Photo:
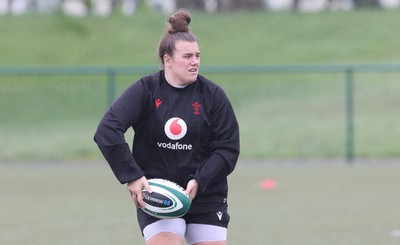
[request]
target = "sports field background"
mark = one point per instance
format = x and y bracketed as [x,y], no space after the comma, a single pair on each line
[313,203]
[55,188]
[281,115]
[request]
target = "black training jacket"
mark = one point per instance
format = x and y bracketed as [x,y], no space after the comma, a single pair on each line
[179,134]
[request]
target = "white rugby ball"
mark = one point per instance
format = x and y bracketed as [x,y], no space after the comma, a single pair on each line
[167,200]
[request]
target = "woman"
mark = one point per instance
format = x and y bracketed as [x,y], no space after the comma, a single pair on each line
[185,131]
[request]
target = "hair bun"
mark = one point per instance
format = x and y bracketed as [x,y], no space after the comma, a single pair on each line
[179,22]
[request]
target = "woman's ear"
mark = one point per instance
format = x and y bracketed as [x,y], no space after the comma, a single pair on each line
[167,60]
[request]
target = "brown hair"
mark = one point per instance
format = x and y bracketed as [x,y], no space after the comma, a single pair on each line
[177,29]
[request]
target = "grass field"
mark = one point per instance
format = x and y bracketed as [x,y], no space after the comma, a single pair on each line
[257,38]
[281,116]
[314,203]
[55,188]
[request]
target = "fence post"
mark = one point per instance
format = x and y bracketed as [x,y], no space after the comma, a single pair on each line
[111,90]
[349,115]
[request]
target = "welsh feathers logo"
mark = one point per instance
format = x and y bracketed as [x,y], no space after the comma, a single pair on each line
[175,128]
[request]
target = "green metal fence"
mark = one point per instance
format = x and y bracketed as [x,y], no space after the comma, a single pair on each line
[111,72]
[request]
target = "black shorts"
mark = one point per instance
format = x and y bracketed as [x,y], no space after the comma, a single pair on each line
[219,218]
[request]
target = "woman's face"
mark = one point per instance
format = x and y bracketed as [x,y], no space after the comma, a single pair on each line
[183,67]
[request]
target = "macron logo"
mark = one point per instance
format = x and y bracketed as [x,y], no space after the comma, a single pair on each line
[158,102]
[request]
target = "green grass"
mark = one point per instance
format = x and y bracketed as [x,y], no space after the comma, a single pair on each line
[228,38]
[281,116]
[314,203]
[289,116]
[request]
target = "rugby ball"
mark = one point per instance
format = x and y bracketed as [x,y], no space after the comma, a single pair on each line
[167,199]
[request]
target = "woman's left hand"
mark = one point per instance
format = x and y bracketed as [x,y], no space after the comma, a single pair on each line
[192,188]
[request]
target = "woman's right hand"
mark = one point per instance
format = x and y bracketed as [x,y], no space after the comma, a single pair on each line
[135,187]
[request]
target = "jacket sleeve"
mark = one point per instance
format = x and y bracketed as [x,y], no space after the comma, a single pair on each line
[225,144]
[109,136]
